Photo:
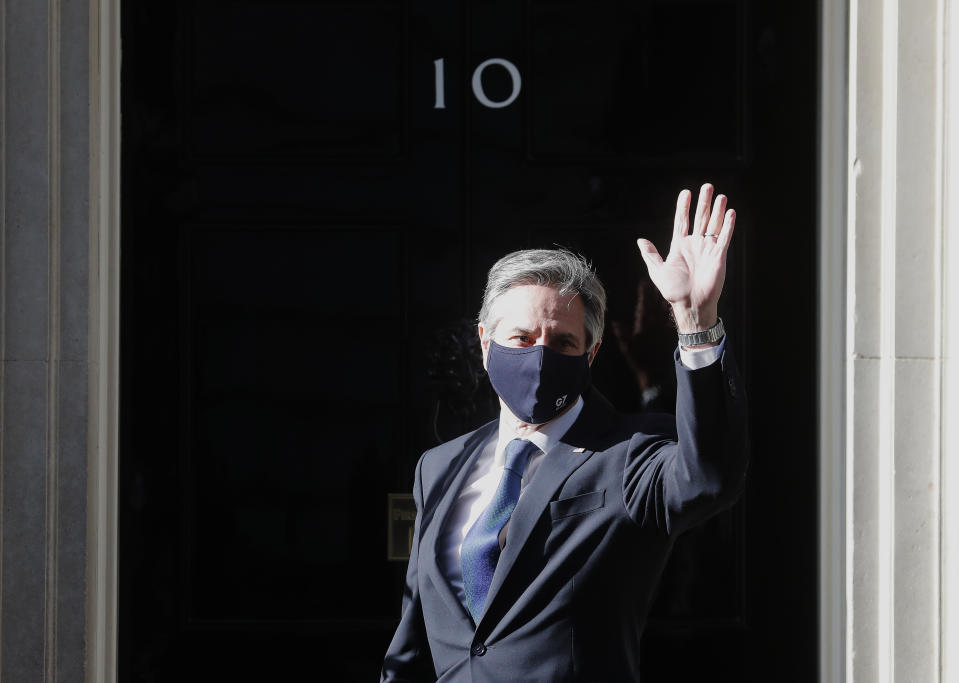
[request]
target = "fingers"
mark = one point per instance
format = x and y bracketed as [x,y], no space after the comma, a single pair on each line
[716,216]
[681,221]
[726,234]
[702,209]
[716,222]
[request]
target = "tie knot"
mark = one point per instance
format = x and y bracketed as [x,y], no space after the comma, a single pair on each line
[518,452]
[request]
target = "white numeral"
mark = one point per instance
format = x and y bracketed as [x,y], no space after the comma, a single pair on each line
[439,71]
[478,83]
[439,74]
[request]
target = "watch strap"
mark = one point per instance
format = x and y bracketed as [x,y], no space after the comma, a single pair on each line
[713,334]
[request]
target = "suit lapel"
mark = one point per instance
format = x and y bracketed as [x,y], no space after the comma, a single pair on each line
[576,446]
[458,471]
[553,471]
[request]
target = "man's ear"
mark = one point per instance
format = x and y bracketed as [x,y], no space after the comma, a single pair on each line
[592,352]
[484,341]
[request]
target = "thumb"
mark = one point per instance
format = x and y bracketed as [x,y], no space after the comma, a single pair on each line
[650,254]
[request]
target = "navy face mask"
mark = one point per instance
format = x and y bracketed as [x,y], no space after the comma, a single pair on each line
[535,382]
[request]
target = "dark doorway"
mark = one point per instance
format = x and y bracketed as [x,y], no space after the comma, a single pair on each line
[312,194]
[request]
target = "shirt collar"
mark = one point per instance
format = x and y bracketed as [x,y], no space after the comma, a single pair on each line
[545,438]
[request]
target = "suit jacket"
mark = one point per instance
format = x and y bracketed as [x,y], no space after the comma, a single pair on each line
[586,543]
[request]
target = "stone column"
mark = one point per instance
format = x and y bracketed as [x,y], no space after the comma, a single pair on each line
[949,535]
[894,296]
[58,286]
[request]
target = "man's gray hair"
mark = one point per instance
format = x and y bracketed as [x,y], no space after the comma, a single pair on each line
[558,268]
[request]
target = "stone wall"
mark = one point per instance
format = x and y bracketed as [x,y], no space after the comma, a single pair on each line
[57,347]
[896,300]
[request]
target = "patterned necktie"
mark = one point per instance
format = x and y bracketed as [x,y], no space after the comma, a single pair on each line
[480,551]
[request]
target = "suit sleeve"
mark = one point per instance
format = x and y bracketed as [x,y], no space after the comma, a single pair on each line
[675,480]
[408,657]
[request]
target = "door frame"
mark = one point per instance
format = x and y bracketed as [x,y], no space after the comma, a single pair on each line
[104,343]
[104,334]
[831,356]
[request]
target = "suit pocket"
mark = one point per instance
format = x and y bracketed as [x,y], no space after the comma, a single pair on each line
[577,505]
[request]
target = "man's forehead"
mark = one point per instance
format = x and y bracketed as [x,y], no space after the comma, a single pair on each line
[525,304]
[538,296]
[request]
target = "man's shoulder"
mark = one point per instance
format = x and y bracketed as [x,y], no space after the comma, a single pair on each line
[441,457]
[460,442]
[604,427]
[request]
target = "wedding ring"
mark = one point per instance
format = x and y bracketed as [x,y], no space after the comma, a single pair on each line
[712,234]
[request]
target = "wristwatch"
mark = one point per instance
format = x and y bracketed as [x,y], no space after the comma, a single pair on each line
[713,334]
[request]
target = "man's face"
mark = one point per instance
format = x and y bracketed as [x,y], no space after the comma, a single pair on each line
[530,315]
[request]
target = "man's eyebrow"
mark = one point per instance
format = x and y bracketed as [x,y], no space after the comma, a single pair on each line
[561,336]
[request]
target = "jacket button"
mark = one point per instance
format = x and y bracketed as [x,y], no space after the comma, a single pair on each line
[732,387]
[479,649]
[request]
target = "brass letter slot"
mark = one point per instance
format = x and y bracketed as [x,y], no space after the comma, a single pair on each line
[401,514]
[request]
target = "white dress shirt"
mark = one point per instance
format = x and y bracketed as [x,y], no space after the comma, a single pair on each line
[483,481]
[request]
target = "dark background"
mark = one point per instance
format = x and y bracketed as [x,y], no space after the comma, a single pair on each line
[305,242]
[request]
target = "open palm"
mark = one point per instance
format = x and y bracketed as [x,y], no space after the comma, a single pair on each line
[691,278]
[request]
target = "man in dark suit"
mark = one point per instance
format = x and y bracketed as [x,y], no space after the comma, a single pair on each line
[540,537]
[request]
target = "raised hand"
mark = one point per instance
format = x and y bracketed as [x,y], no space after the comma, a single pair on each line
[691,278]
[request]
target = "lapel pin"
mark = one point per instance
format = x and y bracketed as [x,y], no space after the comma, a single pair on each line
[579,450]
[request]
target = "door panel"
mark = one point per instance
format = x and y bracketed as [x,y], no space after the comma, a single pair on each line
[310,205]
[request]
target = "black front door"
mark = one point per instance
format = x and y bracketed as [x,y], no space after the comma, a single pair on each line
[312,194]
